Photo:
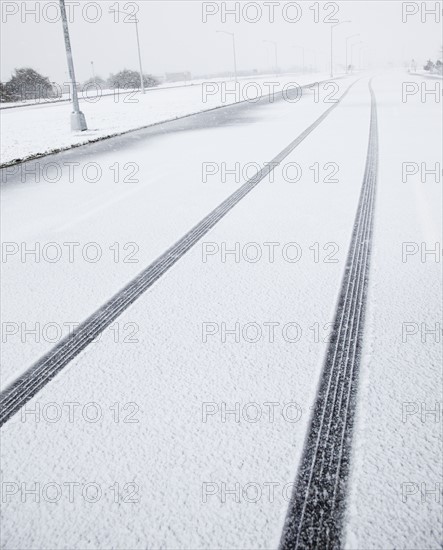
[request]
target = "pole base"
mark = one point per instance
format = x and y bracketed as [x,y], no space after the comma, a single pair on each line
[78,122]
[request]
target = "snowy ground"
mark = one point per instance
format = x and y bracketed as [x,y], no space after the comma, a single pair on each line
[91,91]
[46,127]
[426,74]
[398,451]
[83,212]
[175,454]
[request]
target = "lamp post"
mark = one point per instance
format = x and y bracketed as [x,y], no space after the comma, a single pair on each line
[233,49]
[93,72]
[347,40]
[78,121]
[275,53]
[135,20]
[332,44]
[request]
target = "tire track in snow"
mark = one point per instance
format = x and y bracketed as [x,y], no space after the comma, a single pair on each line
[315,515]
[17,394]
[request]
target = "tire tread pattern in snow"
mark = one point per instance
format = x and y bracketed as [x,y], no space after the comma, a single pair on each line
[315,514]
[38,375]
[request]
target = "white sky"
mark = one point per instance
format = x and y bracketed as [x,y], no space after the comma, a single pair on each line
[174,37]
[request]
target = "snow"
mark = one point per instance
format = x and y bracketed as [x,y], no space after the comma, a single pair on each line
[43,128]
[106,212]
[171,453]
[401,374]
[91,91]
[170,372]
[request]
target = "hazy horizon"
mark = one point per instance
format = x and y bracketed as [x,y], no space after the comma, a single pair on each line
[174,37]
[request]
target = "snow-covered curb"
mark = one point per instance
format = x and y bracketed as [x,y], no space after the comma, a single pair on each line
[44,129]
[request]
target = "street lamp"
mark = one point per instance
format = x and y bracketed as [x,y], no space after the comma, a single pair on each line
[233,48]
[352,50]
[135,20]
[275,52]
[332,58]
[93,72]
[347,40]
[78,121]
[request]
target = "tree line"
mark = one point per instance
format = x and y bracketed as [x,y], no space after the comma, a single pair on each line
[432,67]
[28,84]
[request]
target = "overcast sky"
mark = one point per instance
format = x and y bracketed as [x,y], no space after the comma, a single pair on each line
[174,36]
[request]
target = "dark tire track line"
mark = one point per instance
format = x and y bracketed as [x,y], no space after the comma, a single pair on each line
[45,369]
[315,514]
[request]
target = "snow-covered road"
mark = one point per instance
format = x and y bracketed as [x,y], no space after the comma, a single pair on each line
[41,129]
[148,192]
[397,464]
[221,358]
